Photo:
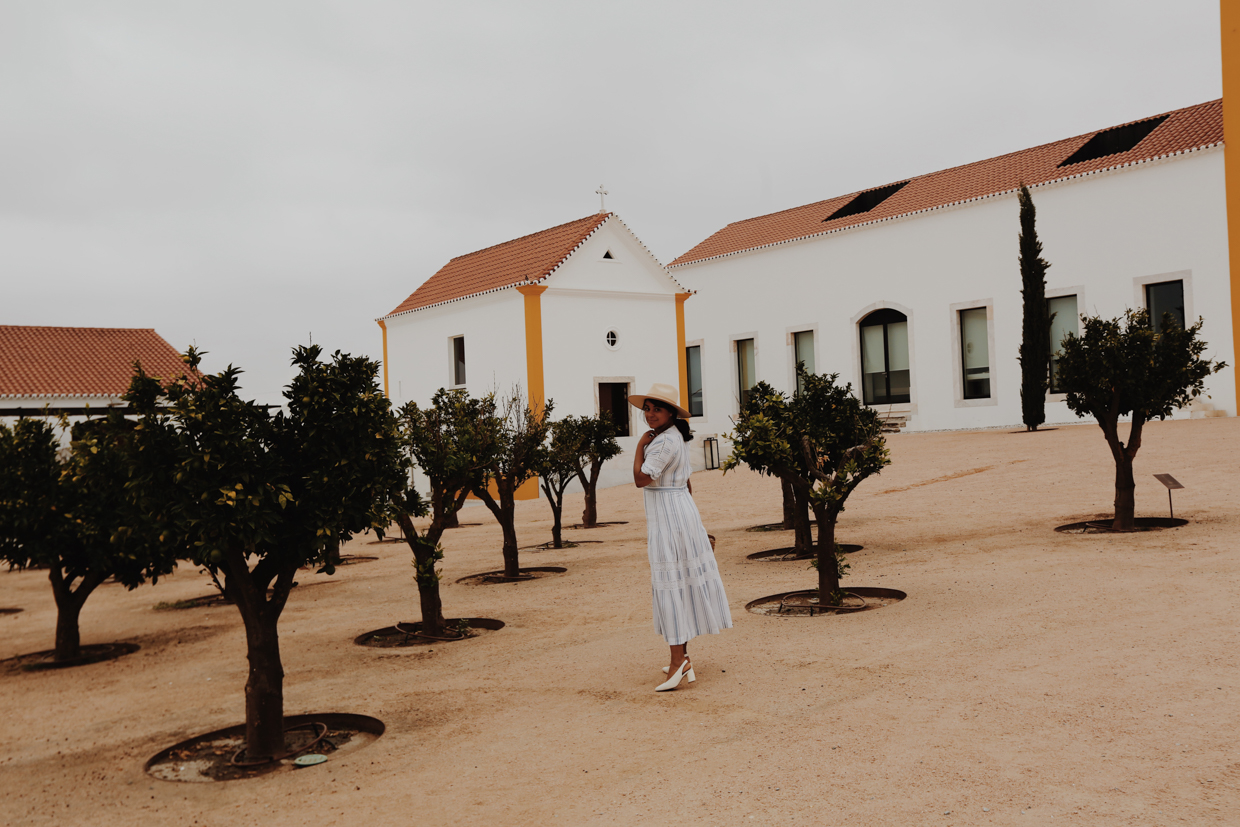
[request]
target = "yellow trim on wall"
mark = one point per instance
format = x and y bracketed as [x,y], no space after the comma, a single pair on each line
[534,345]
[681,364]
[533,366]
[1229,13]
[383,327]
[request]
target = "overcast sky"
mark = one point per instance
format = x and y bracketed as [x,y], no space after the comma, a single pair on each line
[245,175]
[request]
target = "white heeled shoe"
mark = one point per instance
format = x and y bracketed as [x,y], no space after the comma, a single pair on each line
[686,669]
[691,678]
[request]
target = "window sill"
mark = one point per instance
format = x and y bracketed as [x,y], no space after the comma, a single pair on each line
[976,403]
[1056,397]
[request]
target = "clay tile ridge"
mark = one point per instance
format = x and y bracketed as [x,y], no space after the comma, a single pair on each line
[524,260]
[80,361]
[1183,131]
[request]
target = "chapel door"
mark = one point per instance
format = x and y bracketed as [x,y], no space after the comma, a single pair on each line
[885,376]
[613,398]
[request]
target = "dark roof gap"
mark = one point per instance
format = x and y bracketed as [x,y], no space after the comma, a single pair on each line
[866,201]
[1113,141]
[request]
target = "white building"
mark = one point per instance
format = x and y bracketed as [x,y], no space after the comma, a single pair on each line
[912,291]
[582,314]
[76,369]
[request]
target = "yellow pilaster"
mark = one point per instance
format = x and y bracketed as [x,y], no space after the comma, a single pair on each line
[534,344]
[1229,13]
[681,364]
[383,327]
[533,365]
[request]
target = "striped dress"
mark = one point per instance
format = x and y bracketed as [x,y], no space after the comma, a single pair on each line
[687,593]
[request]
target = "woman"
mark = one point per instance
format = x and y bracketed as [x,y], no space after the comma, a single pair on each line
[688,595]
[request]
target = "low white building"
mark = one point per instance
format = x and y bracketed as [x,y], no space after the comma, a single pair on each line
[581,314]
[912,291]
[74,370]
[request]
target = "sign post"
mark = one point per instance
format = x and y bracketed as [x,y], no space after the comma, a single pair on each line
[1172,484]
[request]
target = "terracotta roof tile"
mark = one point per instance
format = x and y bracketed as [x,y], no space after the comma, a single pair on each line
[1184,129]
[80,361]
[523,260]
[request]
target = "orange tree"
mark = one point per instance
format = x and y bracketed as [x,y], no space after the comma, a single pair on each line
[253,497]
[598,444]
[519,456]
[66,511]
[452,441]
[823,442]
[1120,367]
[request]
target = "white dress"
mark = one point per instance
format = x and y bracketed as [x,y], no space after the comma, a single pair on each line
[688,595]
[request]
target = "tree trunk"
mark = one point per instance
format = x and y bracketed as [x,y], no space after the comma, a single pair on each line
[451,520]
[1125,494]
[512,562]
[68,632]
[69,603]
[1125,483]
[790,505]
[828,566]
[425,576]
[264,690]
[589,517]
[557,524]
[803,538]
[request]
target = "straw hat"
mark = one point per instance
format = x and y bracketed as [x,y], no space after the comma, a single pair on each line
[667,394]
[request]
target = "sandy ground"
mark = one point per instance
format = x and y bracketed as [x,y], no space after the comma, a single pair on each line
[1029,678]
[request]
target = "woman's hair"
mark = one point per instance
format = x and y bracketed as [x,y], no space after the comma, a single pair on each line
[680,424]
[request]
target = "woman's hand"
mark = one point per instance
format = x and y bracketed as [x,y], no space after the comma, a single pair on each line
[646,439]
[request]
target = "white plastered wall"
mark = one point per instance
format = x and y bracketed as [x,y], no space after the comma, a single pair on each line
[419,347]
[1103,233]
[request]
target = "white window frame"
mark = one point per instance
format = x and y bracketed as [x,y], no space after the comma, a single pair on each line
[1138,290]
[452,384]
[958,357]
[1058,293]
[909,407]
[631,381]
[698,343]
[790,340]
[735,369]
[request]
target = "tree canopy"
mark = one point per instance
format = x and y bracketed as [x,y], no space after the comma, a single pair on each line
[1122,367]
[823,441]
[65,509]
[253,497]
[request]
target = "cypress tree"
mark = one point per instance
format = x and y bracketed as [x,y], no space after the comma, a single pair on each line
[1035,345]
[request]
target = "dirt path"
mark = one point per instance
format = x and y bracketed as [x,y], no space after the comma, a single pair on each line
[1029,675]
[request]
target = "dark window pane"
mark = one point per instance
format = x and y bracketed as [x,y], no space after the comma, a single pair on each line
[693,363]
[1165,297]
[458,360]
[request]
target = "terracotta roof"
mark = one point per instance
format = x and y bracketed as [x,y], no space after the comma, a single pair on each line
[79,361]
[523,260]
[1184,130]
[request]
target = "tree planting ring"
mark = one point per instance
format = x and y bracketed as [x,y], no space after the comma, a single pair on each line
[206,757]
[274,758]
[91,653]
[415,633]
[526,574]
[1104,526]
[781,555]
[407,634]
[780,605]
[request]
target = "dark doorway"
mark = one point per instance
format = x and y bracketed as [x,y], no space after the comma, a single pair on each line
[613,398]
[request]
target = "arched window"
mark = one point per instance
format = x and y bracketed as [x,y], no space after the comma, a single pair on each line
[884,357]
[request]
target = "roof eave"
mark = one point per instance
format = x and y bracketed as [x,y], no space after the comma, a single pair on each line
[996,194]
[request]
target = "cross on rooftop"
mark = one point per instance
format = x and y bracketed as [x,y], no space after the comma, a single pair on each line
[602,193]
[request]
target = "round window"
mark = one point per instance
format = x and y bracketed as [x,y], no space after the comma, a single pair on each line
[612,338]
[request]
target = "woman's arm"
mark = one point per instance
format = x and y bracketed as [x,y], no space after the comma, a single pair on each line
[640,478]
